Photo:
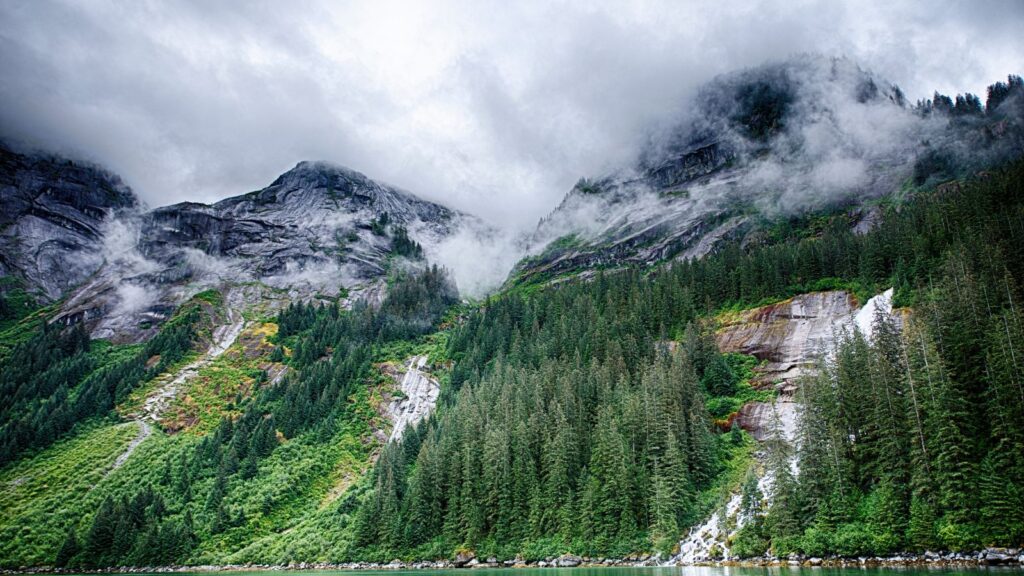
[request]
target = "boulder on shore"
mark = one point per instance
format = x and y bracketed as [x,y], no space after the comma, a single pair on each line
[568,561]
[464,557]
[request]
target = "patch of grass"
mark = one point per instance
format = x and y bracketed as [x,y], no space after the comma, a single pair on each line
[212,297]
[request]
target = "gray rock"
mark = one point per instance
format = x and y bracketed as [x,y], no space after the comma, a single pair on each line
[52,219]
[77,232]
[997,556]
[568,561]
[463,558]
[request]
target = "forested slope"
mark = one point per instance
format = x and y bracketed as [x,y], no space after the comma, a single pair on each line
[577,417]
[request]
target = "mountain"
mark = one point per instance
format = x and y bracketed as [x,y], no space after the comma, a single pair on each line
[79,235]
[792,330]
[780,140]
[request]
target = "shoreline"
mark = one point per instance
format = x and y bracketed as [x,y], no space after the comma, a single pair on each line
[990,557]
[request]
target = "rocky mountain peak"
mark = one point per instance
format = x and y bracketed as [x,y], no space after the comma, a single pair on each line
[76,233]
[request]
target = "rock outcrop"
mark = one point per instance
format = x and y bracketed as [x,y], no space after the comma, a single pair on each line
[52,221]
[788,337]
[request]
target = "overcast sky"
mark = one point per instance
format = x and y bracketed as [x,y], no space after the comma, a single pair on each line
[493,108]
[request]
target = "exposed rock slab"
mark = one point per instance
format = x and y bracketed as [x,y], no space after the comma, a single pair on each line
[52,214]
[788,337]
[419,392]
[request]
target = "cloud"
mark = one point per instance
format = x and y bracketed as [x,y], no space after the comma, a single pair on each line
[479,261]
[494,108]
[132,298]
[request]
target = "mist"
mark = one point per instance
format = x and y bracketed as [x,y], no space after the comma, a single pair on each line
[490,108]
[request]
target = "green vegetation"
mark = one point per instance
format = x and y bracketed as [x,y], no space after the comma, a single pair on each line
[57,378]
[580,417]
[729,382]
[43,493]
[15,303]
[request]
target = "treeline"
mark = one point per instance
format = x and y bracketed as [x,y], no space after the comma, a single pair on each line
[55,379]
[969,104]
[574,417]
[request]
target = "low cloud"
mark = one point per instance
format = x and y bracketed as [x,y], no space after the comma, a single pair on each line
[479,261]
[493,108]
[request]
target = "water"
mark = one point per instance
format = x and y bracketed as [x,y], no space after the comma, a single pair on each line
[666,571]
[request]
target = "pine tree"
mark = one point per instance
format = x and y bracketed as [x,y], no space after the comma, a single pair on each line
[100,538]
[68,550]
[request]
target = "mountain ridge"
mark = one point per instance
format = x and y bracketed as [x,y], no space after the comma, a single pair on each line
[798,136]
[315,230]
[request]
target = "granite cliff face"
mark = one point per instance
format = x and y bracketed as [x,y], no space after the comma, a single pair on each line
[789,338]
[76,233]
[52,220]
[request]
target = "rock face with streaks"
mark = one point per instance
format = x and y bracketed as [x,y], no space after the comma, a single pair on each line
[52,214]
[788,337]
[419,392]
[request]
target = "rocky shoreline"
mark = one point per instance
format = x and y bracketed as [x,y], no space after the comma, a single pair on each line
[988,557]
